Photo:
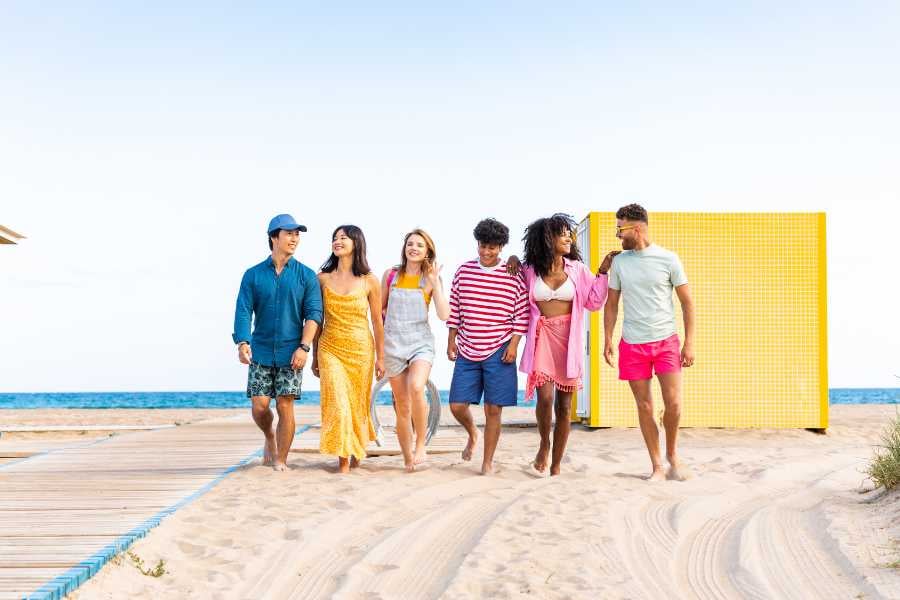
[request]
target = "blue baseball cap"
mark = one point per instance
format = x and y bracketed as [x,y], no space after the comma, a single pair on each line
[285,222]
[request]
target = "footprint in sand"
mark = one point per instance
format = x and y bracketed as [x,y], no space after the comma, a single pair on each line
[384,568]
[293,534]
[259,518]
[191,550]
[195,519]
[609,458]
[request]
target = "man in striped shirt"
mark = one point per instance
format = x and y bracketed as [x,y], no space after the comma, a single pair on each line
[488,317]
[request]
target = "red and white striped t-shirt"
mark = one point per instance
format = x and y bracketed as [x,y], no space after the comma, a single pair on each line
[487,307]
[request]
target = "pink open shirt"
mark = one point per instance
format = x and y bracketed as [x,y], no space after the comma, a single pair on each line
[590,294]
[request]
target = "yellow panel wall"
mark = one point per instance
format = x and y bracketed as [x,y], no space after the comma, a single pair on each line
[758,283]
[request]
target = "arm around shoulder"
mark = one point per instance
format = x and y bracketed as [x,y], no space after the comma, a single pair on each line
[598,288]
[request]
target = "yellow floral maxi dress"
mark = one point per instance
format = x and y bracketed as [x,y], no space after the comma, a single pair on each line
[346,362]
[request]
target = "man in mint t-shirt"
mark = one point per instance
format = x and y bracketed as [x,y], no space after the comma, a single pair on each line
[645,275]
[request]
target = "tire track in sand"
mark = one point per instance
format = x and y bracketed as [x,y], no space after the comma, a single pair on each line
[763,547]
[306,565]
[802,566]
[319,567]
[706,557]
[645,536]
[420,559]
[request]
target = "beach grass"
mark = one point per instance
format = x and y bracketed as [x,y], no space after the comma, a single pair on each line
[884,469]
[158,571]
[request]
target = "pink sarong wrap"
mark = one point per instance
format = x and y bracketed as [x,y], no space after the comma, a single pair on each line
[551,347]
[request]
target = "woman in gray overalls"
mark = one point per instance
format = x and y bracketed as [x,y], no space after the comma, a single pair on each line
[408,341]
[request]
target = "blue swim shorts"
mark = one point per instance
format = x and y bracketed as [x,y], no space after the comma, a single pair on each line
[492,377]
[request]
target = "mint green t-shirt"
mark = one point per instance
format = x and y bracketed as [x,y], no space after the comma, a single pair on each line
[646,279]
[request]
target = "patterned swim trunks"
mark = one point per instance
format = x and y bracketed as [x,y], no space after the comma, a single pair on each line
[273,381]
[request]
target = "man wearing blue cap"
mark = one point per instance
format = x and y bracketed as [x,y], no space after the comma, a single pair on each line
[283,298]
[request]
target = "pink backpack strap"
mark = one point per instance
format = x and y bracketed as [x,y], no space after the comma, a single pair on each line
[390,279]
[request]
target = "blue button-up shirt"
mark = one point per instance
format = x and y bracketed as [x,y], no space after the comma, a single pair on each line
[279,305]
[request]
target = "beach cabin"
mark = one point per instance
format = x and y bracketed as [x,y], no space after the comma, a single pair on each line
[759,286]
[8,236]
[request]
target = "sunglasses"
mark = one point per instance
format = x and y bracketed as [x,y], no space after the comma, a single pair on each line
[624,228]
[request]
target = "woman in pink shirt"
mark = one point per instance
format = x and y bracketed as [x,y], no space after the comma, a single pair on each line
[560,288]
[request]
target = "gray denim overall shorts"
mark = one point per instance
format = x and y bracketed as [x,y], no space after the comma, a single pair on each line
[407,335]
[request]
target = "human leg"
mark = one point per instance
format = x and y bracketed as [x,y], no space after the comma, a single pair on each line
[419,371]
[263,418]
[500,389]
[544,414]
[400,389]
[561,429]
[466,388]
[492,414]
[260,389]
[643,398]
[670,383]
[285,430]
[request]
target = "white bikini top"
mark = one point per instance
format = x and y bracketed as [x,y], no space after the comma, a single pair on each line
[542,291]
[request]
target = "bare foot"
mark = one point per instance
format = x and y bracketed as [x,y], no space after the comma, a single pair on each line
[343,465]
[270,450]
[354,462]
[470,447]
[554,470]
[409,461]
[658,474]
[678,471]
[420,455]
[279,466]
[540,460]
[487,468]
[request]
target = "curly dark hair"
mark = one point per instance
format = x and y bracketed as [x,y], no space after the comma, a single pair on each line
[360,264]
[539,241]
[491,232]
[633,212]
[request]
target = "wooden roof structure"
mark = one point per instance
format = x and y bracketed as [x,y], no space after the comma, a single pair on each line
[8,236]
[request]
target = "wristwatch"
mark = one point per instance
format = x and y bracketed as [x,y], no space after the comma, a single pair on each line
[304,347]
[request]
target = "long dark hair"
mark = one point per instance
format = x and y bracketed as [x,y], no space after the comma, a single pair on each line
[360,264]
[539,241]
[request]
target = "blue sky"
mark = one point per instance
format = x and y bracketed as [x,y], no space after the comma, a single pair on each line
[143,149]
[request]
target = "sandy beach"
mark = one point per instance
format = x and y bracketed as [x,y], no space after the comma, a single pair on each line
[769,514]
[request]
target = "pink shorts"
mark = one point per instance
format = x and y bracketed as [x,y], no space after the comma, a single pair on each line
[640,361]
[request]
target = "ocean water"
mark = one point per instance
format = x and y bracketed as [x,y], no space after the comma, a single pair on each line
[239,400]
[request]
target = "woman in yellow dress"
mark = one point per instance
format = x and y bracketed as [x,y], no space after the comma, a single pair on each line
[345,352]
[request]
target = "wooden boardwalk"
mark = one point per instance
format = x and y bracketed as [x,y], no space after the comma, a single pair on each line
[65,513]
[66,510]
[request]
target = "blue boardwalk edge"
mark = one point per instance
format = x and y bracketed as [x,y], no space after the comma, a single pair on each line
[67,582]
